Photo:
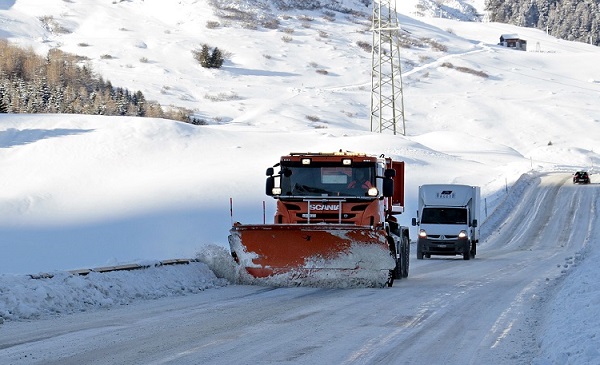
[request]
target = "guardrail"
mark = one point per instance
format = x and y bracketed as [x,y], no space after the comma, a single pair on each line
[124,267]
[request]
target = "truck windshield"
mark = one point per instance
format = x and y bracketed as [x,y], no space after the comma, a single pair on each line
[444,216]
[326,180]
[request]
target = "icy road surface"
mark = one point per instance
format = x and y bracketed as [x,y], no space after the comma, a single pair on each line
[449,311]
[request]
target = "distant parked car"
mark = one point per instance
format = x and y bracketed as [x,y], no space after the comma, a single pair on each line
[581,177]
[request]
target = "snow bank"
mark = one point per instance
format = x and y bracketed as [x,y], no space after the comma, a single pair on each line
[23,297]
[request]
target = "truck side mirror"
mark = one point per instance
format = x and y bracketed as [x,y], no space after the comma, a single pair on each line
[270,171]
[414,222]
[388,187]
[389,173]
[474,222]
[270,185]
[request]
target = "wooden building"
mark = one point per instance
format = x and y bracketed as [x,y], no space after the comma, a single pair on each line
[513,41]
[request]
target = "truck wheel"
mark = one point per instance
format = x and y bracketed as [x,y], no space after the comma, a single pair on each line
[398,269]
[396,273]
[390,280]
[405,256]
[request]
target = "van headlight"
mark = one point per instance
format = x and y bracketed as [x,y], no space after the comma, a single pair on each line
[422,233]
[462,234]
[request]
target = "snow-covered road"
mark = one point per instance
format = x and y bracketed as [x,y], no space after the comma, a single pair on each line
[449,311]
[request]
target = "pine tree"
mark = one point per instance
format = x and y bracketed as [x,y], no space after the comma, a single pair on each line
[575,20]
[140,104]
[203,56]
[3,107]
[208,59]
[216,58]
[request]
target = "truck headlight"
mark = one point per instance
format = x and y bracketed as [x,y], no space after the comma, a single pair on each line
[422,233]
[372,192]
[462,234]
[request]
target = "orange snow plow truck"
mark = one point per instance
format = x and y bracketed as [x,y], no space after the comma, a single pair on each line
[335,220]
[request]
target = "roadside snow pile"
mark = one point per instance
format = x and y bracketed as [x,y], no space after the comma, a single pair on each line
[24,298]
[506,203]
[576,301]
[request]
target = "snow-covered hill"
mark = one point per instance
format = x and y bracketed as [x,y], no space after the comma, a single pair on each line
[86,191]
[271,97]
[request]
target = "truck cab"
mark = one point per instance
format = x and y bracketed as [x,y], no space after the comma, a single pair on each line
[341,188]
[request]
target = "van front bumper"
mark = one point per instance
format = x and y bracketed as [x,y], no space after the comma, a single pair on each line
[429,246]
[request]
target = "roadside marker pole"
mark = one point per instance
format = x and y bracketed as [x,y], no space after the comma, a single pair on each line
[231,209]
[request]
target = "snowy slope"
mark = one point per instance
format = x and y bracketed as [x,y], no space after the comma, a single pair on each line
[83,191]
[507,120]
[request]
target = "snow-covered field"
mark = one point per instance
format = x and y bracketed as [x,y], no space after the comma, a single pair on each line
[89,191]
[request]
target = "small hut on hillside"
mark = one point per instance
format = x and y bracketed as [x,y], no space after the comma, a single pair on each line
[513,41]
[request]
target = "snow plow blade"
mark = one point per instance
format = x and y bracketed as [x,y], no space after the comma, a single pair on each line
[313,254]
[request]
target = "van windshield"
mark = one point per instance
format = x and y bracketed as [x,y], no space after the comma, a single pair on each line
[444,216]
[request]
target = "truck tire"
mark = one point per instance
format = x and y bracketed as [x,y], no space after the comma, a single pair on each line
[398,269]
[405,256]
[396,273]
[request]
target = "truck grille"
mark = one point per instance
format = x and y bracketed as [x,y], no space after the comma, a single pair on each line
[326,218]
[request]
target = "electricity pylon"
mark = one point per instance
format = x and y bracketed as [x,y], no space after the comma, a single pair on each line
[387,104]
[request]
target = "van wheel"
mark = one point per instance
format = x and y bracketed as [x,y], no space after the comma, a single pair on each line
[467,254]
